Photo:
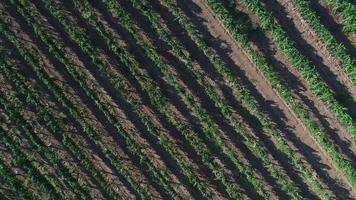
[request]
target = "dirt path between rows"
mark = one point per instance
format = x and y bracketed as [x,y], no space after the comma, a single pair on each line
[326,117]
[240,58]
[336,17]
[308,34]
[337,131]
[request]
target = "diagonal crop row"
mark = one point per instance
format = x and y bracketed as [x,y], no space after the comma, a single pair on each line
[229,18]
[158,174]
[231,187]
[156,97]
[337,48]
[59,92]
[53,158]
[55,124]
[177,48]
[89,45]
[231,80]
[44,182]
[164,141]
[246,98]
[15,184]
[210,127]
[347,11]
[314,82]
[252,142]
[121,88]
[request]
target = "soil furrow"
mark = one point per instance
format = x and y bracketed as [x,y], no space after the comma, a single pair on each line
[307,34]
[238,55]
[293,79]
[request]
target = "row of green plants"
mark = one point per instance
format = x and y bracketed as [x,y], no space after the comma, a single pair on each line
[156,97]
[87,13]
[337,48]
[230,19]
[194,140]
[116,49]
[14,184]
[210,128]
[37,144]
[243,95]
[59,91]
[44,182]
[252,142]
[314,82]
[159,175]
[347,10]
[122,89]
[55,124]
[120,169]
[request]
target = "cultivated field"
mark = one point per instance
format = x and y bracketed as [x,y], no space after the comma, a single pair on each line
[177,99]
